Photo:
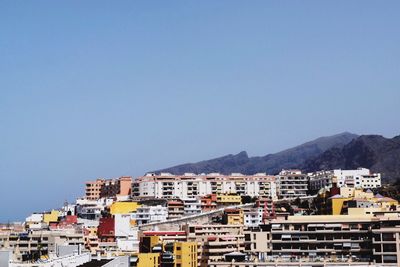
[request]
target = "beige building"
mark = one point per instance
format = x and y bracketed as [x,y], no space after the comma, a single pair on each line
[215,241]
[340,238]
[24,245]
[291,184]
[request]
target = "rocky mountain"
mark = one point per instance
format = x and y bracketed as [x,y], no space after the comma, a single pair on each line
[375,152]
[272,163]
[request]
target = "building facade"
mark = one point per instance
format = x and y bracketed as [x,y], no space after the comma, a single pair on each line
[359,178]
[191,185]
[292,184]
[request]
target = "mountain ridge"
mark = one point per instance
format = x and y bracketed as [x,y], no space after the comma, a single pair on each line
[270,163]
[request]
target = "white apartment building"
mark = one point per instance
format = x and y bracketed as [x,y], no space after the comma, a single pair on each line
[360,178]
[252,216]
[320,179]
[35,221]
[292,184]
[191,206]
[124,226]
[125,232]
[191,185]
[147,214]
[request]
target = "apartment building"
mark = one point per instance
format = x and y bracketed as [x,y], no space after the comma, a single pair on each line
[93,189]
[91,239]
[148,214]
[359,178]
[108,188]
[179,254]
[341,238]
[123,207]
[257,245]
[252,217]
[192,185]
[215,241]
[209,202]
[320,179]
[35,221]
[145,260]
[349,200]
[149,238]
[89,211]
[125,225]
[229,199]
[191,206]
[292,184]
[26,246]
[268,207]
[176,208]
[232,216]
[106,230]
[385,242]
[155,252]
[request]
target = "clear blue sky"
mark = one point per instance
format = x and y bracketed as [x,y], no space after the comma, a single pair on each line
[108,88]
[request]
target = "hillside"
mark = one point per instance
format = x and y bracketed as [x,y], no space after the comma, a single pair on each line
[375,152]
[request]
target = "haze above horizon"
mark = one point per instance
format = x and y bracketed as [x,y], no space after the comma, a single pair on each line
[93,89]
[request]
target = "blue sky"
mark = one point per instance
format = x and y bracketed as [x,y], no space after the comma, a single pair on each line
[102,89]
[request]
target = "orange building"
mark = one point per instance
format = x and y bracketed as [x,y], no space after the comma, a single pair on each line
[125,185]
[108,188]
[209,202]
[93,189]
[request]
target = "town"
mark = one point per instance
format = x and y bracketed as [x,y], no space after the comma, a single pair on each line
[325,218]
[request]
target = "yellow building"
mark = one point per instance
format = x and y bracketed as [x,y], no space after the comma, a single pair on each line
[233,216]
[358,202]
[386,202]
[148,242]
[146,260]
[359,193]
[185,254]
[123,207]
[51,217]
[339,204]
[229,199]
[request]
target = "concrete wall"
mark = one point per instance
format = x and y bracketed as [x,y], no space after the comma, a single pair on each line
[5,256]
[118,262]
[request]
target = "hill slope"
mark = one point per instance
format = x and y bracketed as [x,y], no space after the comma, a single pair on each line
[375,152]
[271,163]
